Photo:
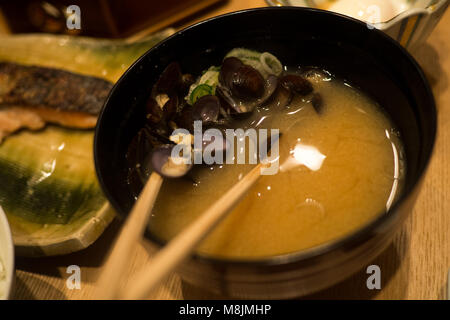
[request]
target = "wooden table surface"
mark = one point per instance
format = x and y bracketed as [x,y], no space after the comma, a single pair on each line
[413,267]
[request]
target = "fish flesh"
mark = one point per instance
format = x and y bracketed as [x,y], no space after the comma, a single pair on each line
[32,96]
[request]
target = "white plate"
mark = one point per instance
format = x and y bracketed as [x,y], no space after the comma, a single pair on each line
[6,257]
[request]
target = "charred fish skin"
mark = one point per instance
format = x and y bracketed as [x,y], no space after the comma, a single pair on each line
[34,86]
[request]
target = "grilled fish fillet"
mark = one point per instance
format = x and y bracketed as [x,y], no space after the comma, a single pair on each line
[32,96]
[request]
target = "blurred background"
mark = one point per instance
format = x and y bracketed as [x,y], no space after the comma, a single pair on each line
[99,18]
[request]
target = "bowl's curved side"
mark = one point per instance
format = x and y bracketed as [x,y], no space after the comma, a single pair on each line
[6,255]
[296,279]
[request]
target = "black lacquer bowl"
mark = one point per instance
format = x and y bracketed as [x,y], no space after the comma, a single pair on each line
[364,57]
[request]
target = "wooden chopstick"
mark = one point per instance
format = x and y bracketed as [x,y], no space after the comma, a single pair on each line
[129,235]
[182,245]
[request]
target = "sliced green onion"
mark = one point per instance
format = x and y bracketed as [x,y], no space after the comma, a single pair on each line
[271,64]
[266,63]
[244,54]
[211,78]
[200,91]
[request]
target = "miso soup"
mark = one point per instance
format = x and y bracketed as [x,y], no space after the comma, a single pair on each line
[352,172]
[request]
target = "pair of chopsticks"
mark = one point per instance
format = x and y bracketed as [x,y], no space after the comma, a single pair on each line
[169,257]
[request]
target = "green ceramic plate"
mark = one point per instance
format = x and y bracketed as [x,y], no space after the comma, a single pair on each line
[49,189]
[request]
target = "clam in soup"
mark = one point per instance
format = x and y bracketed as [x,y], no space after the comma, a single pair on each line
[342,165]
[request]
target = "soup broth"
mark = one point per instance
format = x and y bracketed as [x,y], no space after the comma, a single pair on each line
[349,170]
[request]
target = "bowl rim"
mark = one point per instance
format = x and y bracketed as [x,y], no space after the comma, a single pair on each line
[316,251]
[6,230]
